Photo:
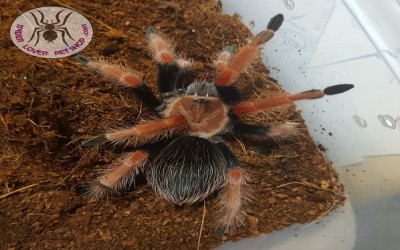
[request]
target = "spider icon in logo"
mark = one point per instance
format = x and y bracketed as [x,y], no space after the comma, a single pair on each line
[50,29]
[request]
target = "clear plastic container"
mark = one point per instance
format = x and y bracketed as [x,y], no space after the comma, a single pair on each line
[331,42]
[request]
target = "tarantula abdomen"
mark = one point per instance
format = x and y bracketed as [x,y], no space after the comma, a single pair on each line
[187,170]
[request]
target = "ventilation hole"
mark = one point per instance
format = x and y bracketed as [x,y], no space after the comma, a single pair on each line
[360,121]
[387,121]
[289,4]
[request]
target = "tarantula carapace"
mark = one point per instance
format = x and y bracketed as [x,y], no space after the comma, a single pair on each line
[193,118]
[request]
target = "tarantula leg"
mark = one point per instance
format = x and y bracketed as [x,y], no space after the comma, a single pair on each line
[234,193]
[163,53]
[166,77]
[118,176]
[114,72]
[229,94]
[232,198]
[223,58]
[124,76]
[184,76]
[161,48]
[280,133]
[173,73]
[148,132]
[230,66]
[254,106]
[94,141]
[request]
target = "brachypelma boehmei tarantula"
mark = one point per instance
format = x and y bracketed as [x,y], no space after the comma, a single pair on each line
[194,116]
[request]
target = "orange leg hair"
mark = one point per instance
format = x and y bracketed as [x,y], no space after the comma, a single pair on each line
[232,198]
[161,49]
[228,72]
[224,57]
[148,132]
[116,73]
[123,75]
[244,108]
[119,175]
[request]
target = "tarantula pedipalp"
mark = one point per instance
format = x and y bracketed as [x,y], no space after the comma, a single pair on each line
[194,116]
[50,29]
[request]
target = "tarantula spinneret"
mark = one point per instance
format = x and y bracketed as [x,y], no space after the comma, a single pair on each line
[194,117]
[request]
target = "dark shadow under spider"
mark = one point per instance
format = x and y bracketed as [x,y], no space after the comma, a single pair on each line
[50,29]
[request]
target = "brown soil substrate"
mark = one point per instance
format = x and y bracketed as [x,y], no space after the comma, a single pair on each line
[49,106]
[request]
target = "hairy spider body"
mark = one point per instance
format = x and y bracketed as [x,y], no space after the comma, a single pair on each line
[194,161]
[187,170]
[205,116]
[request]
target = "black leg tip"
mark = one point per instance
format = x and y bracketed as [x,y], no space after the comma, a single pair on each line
[275,22]
[221,230]
[95,141]
[82,59]
[337,89]
[150,30]
[228,49]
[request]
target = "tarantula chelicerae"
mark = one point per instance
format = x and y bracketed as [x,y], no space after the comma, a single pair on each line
[195,160]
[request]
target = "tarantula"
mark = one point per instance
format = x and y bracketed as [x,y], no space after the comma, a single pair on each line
[193,118]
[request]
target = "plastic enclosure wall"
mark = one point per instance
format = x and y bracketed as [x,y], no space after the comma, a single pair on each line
[331,42]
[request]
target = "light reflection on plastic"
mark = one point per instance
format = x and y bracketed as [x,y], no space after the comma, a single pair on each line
[360,121]
[289,4]
[387,121]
